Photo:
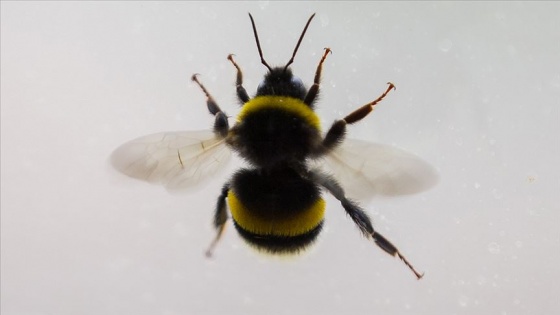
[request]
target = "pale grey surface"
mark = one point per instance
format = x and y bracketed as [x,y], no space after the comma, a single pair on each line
[478,90]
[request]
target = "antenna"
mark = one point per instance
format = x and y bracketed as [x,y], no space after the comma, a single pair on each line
[299,41]
[295,49]
[258,43]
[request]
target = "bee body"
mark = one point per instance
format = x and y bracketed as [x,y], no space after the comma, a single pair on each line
[275,203]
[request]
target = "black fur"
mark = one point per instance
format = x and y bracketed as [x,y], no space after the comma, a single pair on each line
[276,193]
[272,137]
[280,244]
[281,82]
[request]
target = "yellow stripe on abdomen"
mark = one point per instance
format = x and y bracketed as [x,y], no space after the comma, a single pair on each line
[288,223]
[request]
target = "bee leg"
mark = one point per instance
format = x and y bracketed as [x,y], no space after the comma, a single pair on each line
[221,124]
[359,217]
[336,133]
[241,92]
[220,219]
[314,90]
[363,111]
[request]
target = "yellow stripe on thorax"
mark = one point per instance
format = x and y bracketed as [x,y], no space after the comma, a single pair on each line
[289,104]
[289,225]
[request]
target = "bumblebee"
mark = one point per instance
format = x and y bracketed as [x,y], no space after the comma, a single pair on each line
[275,202]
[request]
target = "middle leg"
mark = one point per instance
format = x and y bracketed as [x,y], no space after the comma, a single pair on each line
[336,133]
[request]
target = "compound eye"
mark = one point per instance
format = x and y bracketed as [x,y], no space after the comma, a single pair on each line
[261,85]
[296,82]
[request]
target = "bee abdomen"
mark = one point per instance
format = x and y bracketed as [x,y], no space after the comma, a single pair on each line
[278,212]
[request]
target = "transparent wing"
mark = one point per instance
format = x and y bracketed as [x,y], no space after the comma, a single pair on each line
[367,169]
[178,160]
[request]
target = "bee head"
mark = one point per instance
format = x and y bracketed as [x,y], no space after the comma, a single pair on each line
[279,80]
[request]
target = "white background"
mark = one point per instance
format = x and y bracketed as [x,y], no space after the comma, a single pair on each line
[478,92]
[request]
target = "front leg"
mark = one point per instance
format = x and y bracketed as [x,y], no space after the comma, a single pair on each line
[314,90]
[336,133]
[241,92]
[221,124]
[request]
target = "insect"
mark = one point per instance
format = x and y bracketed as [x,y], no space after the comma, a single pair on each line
[275,202]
